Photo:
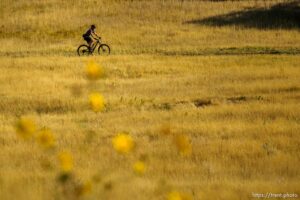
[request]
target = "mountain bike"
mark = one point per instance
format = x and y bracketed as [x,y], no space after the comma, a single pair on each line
[103,49]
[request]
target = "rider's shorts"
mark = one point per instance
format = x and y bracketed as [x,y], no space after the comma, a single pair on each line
[87,39]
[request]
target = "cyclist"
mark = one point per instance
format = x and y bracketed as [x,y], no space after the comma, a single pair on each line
[89,35]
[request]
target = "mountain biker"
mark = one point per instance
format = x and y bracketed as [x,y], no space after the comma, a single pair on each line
[89,35]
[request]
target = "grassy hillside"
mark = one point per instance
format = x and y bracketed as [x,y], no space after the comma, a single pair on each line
[230,91]
[135,27]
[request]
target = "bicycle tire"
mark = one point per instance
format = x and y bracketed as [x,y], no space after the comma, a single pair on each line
[83,50]
[103,49]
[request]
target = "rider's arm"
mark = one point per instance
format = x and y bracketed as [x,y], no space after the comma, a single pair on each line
[94,34]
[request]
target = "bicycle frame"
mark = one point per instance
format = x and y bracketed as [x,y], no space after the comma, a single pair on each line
[95,45]
[103,49]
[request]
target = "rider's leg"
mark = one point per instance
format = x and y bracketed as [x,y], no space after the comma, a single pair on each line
[90,42]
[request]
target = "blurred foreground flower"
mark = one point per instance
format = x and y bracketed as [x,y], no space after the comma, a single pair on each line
[25,127]
[139,167]
[96,102]
[94,71]
[183,144]
[84,188]
[65,161]
[46,138]
[123,143]
[174,195]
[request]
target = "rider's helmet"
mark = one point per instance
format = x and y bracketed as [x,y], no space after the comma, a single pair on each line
[93,27]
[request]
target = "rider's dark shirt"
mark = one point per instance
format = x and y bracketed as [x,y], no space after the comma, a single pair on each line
[88,33]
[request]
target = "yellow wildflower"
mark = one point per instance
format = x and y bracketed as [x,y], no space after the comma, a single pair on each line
[175,195]
[25,127]
[139,167]
[84,189]
[183,144]
[123,143]
[65,161]
[46,138]
[96,102]
[94,71]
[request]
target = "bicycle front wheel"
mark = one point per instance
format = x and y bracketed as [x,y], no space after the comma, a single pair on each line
[104,49]
[83,50]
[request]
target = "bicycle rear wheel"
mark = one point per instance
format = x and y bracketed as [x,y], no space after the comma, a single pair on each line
[83,50]
[104,49]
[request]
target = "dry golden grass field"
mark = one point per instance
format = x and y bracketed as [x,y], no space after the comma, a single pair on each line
[201,100]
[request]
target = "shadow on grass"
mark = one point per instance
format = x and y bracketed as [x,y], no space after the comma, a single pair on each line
[280,16]
[233,51]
